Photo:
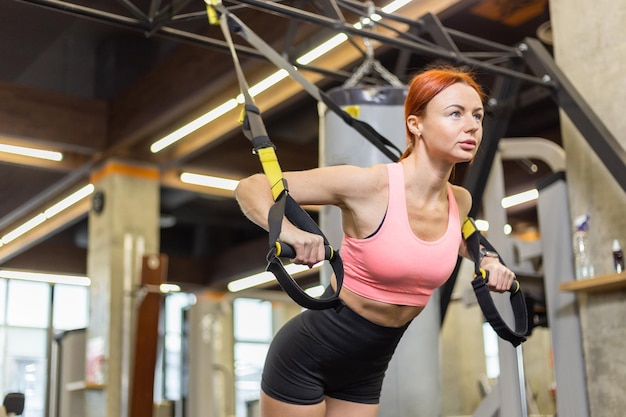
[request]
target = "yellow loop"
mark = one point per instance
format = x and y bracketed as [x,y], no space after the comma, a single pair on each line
[211,12]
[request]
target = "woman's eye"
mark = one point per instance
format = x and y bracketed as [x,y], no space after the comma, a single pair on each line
[478,117]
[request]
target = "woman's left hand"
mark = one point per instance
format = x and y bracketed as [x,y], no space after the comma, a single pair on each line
[500,277]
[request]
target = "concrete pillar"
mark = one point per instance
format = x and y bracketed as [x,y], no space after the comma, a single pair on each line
[588,49]
[123,225]
[211,373]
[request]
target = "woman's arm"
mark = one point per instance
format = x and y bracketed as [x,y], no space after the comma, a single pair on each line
[500,277]
[337,185]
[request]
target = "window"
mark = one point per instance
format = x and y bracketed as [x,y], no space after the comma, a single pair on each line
[28,304]
[253,333]
[175,306]
[71,307]
[24,319]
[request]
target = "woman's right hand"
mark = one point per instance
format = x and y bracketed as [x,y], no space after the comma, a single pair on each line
[309,247]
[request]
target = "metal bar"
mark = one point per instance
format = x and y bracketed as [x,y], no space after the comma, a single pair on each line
[433,26]
[135,24]
[166,15]
[597,135]
[131,7]
[455,34]
[88,12]
[477,42]
[290,35]
[49,342]
[569,365]
[399,43]
[154,9]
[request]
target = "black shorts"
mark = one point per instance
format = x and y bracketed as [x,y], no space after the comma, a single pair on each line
[333,352]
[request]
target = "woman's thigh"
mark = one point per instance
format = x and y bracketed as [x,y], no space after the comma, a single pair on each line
[271,407]
[341,408]
[330,407]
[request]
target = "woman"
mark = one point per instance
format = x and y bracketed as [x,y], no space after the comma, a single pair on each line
[402,236]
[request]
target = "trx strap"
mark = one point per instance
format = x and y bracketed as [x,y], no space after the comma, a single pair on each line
[284,205]
[474,239]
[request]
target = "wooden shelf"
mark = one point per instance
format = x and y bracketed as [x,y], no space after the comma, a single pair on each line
[601,283]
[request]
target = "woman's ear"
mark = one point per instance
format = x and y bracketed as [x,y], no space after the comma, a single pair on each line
[412,123]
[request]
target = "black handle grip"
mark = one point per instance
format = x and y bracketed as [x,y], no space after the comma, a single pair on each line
[515,286]
[283,250]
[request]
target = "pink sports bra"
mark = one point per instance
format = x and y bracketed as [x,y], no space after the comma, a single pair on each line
[394,265]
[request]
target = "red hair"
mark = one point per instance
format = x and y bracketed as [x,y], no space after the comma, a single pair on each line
[426,85]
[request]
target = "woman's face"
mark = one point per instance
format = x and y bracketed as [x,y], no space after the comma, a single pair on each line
[451,127]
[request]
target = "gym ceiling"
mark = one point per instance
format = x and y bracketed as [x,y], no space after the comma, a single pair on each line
[102,79]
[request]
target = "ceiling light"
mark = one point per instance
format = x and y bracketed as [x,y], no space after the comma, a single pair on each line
[167,288]
[208,181]
[517,199]
[265,277]
[322,49]
[49,278]
[69,201]
[23,228]
[48,213]
[482,225]
[205,119]
[395,5]
[263,85]
[33,153]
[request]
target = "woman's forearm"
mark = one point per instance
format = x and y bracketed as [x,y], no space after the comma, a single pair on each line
[255,199]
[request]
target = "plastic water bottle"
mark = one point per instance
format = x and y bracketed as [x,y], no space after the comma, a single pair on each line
[582,255]
[618,257]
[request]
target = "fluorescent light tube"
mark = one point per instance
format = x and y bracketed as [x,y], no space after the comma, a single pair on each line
[265,277]
[48,213]
[395,5]
[482,225]
[203,120]
[33,153]
[323,48]
[50,278]
[209,181]
[167,288]
[517,199]
[23,228]
[69,201]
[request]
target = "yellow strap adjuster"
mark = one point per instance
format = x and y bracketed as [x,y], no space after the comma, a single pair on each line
[272,170]
[211,12]
[469,228]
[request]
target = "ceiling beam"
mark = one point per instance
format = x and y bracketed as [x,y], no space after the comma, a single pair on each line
[59,121]
[50,226]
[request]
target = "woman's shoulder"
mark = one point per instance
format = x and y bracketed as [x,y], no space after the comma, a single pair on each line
[463,199]
[372,175]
